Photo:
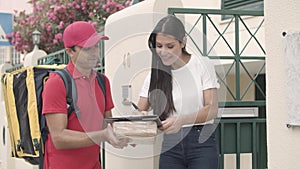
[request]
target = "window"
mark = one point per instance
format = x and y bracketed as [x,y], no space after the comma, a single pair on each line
[251,5]
[2,56]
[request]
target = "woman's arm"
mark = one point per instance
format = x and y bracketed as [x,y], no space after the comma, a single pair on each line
[210,109]
[108,113]
[206,113]
[143,103]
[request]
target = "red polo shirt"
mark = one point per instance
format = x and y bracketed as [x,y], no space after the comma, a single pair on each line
[92,105]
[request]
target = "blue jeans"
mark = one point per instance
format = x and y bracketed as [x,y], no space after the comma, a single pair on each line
[191,148]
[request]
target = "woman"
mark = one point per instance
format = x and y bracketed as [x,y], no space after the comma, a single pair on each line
[182,90]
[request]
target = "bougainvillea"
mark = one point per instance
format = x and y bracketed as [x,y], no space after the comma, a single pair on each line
[50,17]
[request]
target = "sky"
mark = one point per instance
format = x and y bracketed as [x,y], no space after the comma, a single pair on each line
[10,5]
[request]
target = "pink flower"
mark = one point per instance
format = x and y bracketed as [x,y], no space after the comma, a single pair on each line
[25,47]
[18,34]
[51,22]
[32,22]
[55,41]
[94,24]
[127,3]
[62,8]
[49,28]
[119,6]
[59,36]
[8,35]
[59,27]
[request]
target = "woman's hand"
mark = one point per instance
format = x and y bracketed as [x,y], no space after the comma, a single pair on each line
[171,125]
[141,113]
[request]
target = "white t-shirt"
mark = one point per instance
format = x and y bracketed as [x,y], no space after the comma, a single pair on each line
[189,82]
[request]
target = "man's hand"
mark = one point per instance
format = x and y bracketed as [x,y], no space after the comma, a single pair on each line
[113,140]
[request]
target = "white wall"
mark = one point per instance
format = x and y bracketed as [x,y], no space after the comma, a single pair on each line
[283,142]
[126,61]
[7,162]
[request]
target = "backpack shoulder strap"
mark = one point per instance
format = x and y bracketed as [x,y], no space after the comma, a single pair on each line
[71,91]
[102,83]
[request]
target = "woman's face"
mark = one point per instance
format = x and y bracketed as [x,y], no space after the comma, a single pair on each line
[169,49]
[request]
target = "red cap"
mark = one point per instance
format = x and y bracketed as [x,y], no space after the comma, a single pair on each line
[81,33]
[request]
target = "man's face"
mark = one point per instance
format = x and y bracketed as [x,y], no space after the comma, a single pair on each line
[86,58]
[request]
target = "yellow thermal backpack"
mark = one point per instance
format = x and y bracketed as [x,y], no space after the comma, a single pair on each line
[23,102]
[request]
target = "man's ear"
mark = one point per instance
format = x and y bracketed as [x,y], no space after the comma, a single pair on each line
[69,51]
[183,43]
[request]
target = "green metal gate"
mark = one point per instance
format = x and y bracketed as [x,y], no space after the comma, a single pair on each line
[236,135]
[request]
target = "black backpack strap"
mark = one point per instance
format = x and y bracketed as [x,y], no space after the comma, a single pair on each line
[71,91]
[71,97]
[102,83]
[41,157]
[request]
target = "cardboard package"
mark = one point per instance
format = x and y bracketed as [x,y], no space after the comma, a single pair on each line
[135,128]
[140,129]
[139,132]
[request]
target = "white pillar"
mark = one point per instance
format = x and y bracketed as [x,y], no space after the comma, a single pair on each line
[4,142]
[32,57]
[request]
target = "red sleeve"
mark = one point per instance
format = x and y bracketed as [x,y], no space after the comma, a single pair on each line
[109,102]
[54,95]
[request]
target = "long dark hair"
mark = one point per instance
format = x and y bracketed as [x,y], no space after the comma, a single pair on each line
[160,91]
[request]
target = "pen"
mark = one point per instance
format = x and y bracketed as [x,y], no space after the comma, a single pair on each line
[135,106]
[157,119]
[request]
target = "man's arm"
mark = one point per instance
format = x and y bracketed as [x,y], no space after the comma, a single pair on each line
[64,138]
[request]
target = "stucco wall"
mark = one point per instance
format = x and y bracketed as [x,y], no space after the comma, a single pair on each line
[7,162]
[283,142]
